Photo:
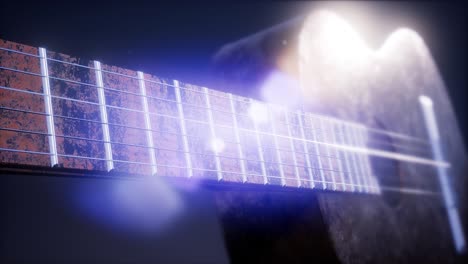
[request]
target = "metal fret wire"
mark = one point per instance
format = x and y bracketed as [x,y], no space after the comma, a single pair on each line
[48,106]
[296,168]
[339,161]
[275,142]
[188,159]
[213,133]
[148,130]
[360,160]
[327,150]
[353,163]
[346,157]
[319,162]
[236,133]
[306,150]
[368,171]
[103,113]
[260,150]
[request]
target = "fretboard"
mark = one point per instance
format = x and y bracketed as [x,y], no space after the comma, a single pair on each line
[57,111]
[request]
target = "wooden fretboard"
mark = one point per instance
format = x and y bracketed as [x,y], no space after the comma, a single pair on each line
[58,111]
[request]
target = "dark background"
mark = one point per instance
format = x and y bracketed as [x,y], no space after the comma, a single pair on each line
[177,40]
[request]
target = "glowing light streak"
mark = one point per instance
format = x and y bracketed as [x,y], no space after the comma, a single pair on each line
[452,210]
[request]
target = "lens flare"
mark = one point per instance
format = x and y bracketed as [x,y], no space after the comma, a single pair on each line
[258,112]
[217,145]
[335,39]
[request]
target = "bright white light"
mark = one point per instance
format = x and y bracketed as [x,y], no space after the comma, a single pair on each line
[281,89]
[335,39]
[425,100]
[217,145]
[258,112]
[400,39]
[328,35]
[342,40]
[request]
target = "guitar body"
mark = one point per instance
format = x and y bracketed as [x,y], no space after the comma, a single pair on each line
[410,228]
[415,228]
[395,226]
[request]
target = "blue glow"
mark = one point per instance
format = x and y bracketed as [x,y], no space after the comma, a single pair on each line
[281,89]
[145,206]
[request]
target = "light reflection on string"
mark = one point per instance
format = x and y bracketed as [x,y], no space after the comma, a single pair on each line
[259,107]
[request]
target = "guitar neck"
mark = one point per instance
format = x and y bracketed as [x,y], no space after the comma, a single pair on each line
[101,117]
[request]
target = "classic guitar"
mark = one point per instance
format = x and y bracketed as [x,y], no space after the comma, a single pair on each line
[381,147]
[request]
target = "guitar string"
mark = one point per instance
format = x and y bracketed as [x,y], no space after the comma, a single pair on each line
[85,84]
[263,133]
[166,84]
[152,113]
[382,153]
[209,154]
[382,187]
[140,111]
[236,158]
